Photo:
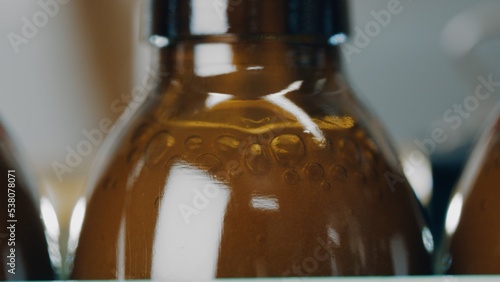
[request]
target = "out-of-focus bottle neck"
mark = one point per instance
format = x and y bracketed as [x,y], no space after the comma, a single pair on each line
[264,66]
[173,20]
[248,46]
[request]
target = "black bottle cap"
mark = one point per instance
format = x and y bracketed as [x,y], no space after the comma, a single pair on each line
[180,19]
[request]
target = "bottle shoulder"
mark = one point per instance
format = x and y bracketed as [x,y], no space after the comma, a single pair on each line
[259,172]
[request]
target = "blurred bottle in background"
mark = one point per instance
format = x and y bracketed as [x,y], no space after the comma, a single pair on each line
[472,228]
[23,246]
[470,40]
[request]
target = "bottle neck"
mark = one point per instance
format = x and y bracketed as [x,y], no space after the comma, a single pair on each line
[176,20]
[252,68]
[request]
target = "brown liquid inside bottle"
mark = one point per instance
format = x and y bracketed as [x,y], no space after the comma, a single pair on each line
[251,159]
[475,245]
[26,235]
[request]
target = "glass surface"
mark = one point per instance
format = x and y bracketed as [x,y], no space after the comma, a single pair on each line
[251,159]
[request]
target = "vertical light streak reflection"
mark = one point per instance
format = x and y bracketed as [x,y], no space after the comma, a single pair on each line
[189,226]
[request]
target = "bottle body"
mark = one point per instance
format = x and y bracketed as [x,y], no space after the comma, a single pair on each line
[262,170]
[472,226]
[23,243]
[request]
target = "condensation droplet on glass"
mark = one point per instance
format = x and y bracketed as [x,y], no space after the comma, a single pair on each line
[315,171]
[369,157]
[194,143]
[339,173]
[369,165]
[291,177]
[173,161]
[227,143]
[256,160]
[326,186]
[360,134]
[209,162]
[288,147]
[347,151]
[158,146]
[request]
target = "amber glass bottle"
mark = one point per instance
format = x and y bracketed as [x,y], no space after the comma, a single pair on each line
[251,158]
[473,219]
[23,247]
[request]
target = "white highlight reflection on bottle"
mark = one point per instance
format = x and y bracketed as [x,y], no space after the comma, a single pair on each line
[189,227]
